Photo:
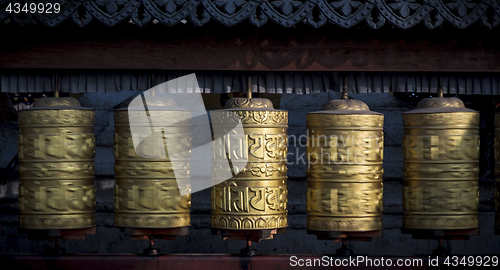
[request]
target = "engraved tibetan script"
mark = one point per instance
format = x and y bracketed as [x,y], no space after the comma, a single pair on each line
[66,197]
[231,197]
[456,199]
[344,201]
[157,197]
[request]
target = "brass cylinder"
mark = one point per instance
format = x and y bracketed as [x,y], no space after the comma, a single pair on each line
[441,165]
[56,165]
[344,176]
[146,193]
[256,197]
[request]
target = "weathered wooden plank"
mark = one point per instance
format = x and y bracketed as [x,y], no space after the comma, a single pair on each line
[386,80]
[401,82]
[227,82]
[160,78]
[217,82]
[394,81]
[114,84]
[144,80]
[279,83]
[289,85]
[469,82]
[410,82]
[22,82]
[30,84]
[14,85]
[172,87]
[361,83]
[101,82]
[485,84]
[425,83]
[307,83]
[378,87]
[369,82]
[452,85]
[351,81]
[317,82]
[461,85]
[444,83]
[494,85]
[434,83]
[38,85]
[4,82]
[476,85]
[271,83]
[125,83]
[298,82]
[262,82]
[241,82]
[208,83]
[48,83]
[418,83]
[77,81]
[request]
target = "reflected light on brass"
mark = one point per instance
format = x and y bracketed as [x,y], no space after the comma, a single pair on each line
[344,176]
[146,192]
[56,155]
[256,197]
[441,165]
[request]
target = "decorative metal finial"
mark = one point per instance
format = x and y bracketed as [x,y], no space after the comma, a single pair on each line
[249,91]
[440,92]
[56,86]
[152,92]
[345,94]
[248,102]
[431,105]
[440,89]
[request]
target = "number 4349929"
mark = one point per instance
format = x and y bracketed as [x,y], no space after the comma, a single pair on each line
[471,261]
[46,8]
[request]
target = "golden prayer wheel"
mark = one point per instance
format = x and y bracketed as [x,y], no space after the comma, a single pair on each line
[344,177]
[56,165]
[441,165]
[497,173]
[147,194]
[256,197]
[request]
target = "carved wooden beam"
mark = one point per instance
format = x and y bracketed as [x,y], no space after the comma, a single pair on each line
[286,13]
[243,47]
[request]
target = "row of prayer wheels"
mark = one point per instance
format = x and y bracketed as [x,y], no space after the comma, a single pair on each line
[344,150]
